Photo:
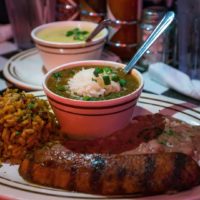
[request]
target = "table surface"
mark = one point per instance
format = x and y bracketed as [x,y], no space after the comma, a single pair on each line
[169,93]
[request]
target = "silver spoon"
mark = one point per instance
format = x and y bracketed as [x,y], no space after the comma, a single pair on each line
[160,28]
[102,25]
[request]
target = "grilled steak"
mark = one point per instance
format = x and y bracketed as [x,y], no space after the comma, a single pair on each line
[113,174]
[175,137]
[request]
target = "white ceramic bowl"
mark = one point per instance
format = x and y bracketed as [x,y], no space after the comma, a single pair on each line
[57,53]
[92,119]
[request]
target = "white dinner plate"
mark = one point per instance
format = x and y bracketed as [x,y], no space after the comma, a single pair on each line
[25,70]
[13,186]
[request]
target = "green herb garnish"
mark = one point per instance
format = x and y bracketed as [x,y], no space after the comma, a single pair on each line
[57,75]
[86,98]
[61,88]
[115,77]
[106,80]
[107,70]
[77,34]
[72,32]
[69,33]
[122,82]
[84,32]
[79,37]
[98,71]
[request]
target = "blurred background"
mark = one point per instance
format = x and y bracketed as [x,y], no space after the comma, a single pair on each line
[179,46]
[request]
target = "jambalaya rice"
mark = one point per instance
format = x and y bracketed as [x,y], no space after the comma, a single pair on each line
[25,123]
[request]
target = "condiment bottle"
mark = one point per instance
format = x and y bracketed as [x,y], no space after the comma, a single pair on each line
[93,10]
[159,51]
[123,37]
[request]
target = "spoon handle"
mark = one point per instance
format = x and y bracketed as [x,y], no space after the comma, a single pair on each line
[160,28]
[101,26]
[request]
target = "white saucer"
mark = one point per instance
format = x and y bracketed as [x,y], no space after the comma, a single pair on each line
[25,70]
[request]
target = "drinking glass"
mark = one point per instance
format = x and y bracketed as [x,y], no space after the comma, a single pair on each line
[25,15]
[189,37]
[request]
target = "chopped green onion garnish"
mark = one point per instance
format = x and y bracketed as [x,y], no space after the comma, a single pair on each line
[106,80]
[115,77]
[107,70]
[61,88]
[57,75]
[77,34]
[97,71]
[79,37]
[84,32]
[86,98]
[69,33]
[122,82]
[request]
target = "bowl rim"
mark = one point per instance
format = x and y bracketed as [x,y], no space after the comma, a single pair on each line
[71,44]
[101,103]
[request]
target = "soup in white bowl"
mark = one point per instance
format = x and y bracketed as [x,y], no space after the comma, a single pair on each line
[86,116]
[64,41]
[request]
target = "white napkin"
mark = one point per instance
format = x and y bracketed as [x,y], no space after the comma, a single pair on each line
[153,86]
[175,79]
[3,61]
[4,84]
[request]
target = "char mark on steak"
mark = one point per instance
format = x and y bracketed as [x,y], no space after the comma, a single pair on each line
[113,174]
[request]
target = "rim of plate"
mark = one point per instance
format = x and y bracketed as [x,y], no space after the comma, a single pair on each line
[182,107]
[11,75]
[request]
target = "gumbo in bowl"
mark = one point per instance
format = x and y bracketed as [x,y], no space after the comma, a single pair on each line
[92,83]
[92,99]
